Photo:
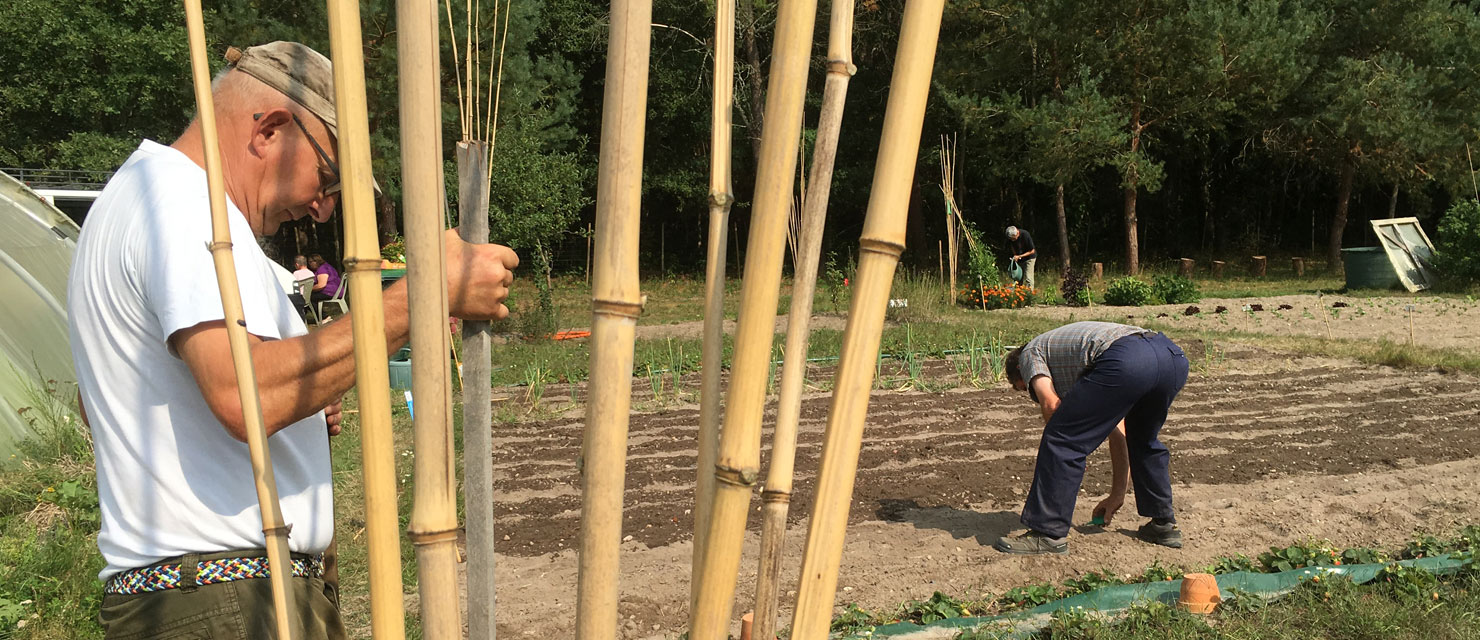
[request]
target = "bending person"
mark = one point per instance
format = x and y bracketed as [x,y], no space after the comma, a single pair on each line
[1088,378]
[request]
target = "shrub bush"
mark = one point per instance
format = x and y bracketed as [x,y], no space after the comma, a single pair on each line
[1075,288]
[1457,253]
[1175,289]
[980,267]
[1128,292]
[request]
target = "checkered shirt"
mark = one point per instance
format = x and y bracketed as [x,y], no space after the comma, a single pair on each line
[1065,353]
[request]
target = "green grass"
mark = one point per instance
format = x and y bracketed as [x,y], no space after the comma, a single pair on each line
[1336,608]
[49,560]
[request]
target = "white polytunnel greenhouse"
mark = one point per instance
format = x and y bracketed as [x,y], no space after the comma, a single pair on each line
[36,247]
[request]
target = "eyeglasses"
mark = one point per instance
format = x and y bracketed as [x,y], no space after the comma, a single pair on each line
[327,186]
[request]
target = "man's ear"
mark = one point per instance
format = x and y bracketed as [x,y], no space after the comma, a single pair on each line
[268,128]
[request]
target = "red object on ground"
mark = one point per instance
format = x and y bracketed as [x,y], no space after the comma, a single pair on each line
[570,335]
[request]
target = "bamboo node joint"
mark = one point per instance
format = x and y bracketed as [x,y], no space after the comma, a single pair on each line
[738,477]
[360,264]
[224,245]
[421,538]
[720,199]
[286,529]
[842,67]
[891,249]
[771,495]
[619,308]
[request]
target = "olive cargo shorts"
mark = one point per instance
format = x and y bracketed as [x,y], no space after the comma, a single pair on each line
[236,610]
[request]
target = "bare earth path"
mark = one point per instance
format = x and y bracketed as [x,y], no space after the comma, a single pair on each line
[1437,322]
[1267,449]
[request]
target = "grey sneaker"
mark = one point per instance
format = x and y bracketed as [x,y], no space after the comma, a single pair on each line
[1032,543]
[1160,532]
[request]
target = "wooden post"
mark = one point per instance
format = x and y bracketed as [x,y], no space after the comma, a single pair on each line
[1217,268]
[472,161]
[589,234]
[615,306]
[362,272]
[1185,266]
[274,529]
[1259,266]
[712,356]
[1097,271]
[776,497]
[881,244]
[737,467]
[940,254]
[1298,264]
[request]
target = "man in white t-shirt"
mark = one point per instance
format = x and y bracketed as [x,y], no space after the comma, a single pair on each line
[181,526]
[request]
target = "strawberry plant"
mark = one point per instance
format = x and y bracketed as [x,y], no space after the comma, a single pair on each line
[939,607]
[1411,582]
[1299,556]
[853,620]
[1028,597]
[1159,572]
[1089,582]
[1231,564]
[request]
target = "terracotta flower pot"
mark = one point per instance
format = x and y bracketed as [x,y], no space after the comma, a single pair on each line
[1199,593]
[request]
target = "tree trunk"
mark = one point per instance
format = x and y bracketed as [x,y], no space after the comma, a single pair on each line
[1017,205]
[1063,227]
[746,12]
[1132,245]
[1393,202]
[1338,220]
[1132,182]
[1207,203]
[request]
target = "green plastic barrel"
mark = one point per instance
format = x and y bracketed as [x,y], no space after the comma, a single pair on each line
[1368,268]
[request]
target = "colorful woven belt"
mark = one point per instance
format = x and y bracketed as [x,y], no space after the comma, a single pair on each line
[167,576]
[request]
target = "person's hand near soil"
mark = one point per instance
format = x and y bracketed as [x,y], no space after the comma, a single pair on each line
[1120,475]
[1105,511]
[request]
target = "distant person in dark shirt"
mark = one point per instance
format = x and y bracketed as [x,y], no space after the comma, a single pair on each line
[326,278]
[1023,252]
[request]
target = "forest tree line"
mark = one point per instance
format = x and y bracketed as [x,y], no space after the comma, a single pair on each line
[1120,132]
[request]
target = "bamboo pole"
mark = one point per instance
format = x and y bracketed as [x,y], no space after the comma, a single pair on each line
[362,273]
[721,196]
[433,526]
[274,530]
[738,465]
[880,247]
[615,306]
[776,497]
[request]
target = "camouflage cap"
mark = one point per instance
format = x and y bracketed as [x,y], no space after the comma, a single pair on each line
[296,71]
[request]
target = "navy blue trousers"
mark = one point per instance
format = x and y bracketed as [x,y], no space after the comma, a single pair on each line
[1135,379]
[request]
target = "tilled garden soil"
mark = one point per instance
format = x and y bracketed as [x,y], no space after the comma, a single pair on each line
[1264,447]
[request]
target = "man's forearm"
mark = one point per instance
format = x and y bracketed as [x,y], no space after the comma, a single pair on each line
[300,376]
[1120,461]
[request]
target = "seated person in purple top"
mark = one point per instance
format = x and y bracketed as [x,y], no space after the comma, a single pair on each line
[326,278]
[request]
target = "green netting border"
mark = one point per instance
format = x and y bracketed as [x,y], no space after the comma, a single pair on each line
[1114,599]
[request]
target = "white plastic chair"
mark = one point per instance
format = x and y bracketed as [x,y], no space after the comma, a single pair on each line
[338,299]
[305,291]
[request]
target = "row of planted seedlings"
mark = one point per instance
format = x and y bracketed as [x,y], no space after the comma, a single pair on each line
[671,370]
[1463,546]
